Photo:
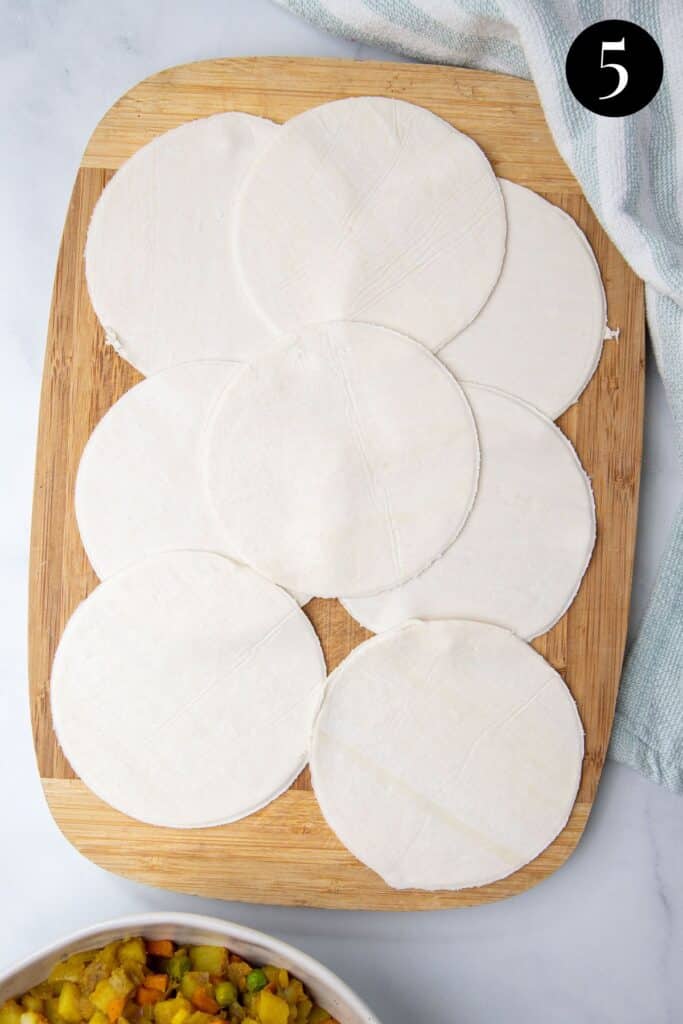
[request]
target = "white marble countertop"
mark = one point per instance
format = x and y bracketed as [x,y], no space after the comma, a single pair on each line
[601,940]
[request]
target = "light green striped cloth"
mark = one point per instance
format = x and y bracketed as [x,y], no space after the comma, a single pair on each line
[631,170]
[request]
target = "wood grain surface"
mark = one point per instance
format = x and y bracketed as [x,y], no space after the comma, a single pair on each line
[286,853]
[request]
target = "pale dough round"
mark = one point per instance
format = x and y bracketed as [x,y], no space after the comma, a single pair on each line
[540,334]
[374,210]
[184,690]
[343,463]
[159,258]
[446,754]
[139,489]
[521,555]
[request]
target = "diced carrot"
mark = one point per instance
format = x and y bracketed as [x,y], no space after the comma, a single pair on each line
[115,1009]
[148,996]
[205,1002]
[160,947]
[156,981]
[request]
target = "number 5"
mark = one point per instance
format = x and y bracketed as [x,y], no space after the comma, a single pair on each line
[619,68]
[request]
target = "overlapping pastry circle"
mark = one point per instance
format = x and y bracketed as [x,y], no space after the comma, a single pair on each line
[540,334]
[159,258]
[375,210]
[521,556]
[319,458]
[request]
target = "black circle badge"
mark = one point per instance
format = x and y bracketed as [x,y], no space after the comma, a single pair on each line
[614,68]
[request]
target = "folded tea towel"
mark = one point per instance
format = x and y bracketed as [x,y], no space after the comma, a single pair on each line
[631,171]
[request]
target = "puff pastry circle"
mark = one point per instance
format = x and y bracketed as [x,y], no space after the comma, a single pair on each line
[343,463]
[446,754]
[184,690]
[374,210]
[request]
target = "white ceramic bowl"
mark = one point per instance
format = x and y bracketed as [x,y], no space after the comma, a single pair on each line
[327,989]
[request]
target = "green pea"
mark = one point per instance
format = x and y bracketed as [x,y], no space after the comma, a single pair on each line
[256,980]
[225,993]
[177,966]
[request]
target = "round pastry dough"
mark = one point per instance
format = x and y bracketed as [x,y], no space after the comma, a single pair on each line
[184,690]
[521,556]
[446,754]
[540,334]
[343,463]
[139,489]
[159,258]
[373,210]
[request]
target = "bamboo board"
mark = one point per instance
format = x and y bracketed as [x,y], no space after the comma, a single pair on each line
[285,853]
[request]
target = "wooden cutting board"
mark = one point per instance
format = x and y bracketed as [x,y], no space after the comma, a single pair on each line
[285,853]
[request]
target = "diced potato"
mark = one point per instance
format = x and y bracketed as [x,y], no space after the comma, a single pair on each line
[10,1012]
[103,995]
[69,1005]
[196,987]
[294,992]
[190,982]
[105,999]
[31,1002]
[42,991]
[166,1011]
[121,981]
[50,1009]
[132,949]
[110,995]
[272,1009]
[71,968]
[237,973]
[199,1017]
[86,1008]
[134,971]
[212,959]
[109,955]
[99,1018]
[31,1017]
[91,974]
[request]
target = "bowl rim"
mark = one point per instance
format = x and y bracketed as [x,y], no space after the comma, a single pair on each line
[134,923]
